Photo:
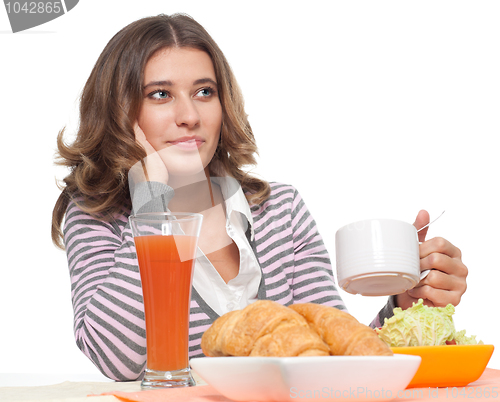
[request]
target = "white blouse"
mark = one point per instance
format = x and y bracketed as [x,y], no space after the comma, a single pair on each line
[242,290]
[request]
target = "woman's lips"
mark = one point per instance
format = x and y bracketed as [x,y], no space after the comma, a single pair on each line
[188,143]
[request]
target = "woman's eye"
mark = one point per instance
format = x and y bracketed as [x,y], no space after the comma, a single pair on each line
[159,94]
[205,92]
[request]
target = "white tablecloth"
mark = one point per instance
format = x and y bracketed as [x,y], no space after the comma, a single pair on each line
[32,387]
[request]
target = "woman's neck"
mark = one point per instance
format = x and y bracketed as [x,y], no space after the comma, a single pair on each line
[192,193]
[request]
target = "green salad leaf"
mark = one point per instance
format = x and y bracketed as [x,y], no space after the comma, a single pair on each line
[462,339]
[421,325]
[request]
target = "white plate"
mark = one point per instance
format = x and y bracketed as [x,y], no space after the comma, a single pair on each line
[321,378]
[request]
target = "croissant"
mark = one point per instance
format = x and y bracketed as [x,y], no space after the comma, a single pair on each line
[343,334]
[263,328]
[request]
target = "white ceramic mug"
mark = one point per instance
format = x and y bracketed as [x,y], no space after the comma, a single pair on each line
[377,257]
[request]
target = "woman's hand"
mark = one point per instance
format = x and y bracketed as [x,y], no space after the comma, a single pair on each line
[151,168]
[446,283]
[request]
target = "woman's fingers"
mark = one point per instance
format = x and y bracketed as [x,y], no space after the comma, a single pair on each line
[439,245]
[446,282]
[141,139]
[421,220]
[435,297]
[152,167]
[439,280]
[443,263]
[440,289]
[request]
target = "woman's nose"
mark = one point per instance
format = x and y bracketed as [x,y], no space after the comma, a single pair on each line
[186,113]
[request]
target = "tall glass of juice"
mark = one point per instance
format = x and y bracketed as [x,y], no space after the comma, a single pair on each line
[166,244]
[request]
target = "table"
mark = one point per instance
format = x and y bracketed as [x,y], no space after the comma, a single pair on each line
[58,387]
[486,389]
[22,387]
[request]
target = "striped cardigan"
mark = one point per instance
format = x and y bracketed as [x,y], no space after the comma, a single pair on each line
[106,288]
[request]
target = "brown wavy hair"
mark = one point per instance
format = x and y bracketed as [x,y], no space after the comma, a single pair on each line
[105,147]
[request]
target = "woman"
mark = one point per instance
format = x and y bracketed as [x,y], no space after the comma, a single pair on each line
[162,125]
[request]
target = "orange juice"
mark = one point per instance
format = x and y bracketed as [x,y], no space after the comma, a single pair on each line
[166,287]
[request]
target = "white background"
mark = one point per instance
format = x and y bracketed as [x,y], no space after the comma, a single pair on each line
[370,108]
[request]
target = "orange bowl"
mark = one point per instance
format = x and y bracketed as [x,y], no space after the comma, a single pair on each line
[448,365]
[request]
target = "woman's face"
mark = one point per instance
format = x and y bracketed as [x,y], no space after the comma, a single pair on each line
[181,113]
